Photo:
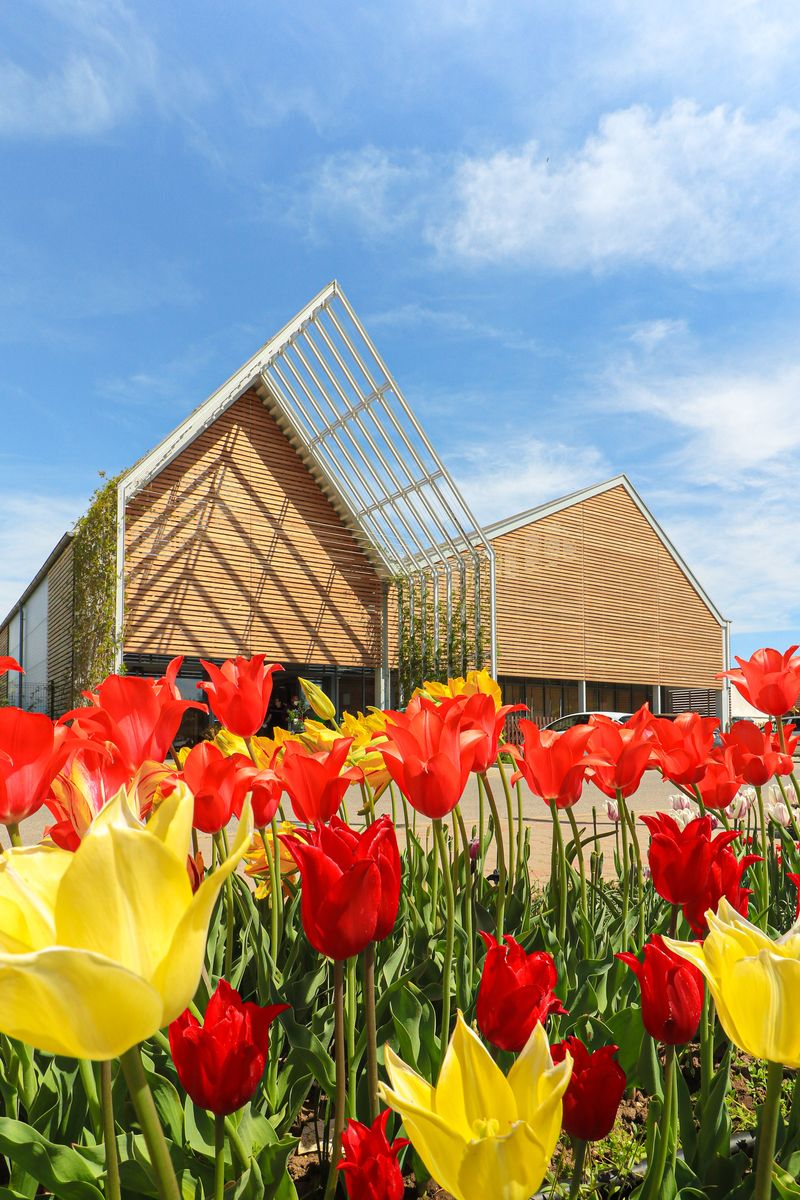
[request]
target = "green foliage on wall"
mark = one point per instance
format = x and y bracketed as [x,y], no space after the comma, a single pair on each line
[433,649]
[95,642]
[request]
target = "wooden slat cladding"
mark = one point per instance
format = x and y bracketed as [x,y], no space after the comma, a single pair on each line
[591,592]
[4,678]
[234,549]
[60,616]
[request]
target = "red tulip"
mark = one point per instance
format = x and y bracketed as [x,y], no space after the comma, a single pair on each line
[370,1166]
[429,754]
[239,692]
[596,1086]
[796,881]
[315,780]
[479,713]
[515,992]
[680,748]
[350,884]
[140,716]
[7,663]
[680,859]
[32,752]
[770,681]
[218,782]
[672,992]
[619,755]
[720,781]
[220,1063]
[757,755]
[553,764]
[724,878]
[266,788]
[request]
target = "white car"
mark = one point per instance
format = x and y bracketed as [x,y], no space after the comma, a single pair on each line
[583,719]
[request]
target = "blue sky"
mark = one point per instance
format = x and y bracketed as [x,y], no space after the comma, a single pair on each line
[573,231]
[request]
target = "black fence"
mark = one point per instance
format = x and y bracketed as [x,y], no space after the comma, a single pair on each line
[53,697]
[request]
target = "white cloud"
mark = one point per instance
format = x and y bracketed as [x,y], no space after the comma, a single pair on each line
[378,192]
[723,476]
[445,320]
[683,190]
[32,525]
[519,472]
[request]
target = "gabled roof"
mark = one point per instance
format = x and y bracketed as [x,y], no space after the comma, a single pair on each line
[333,397]
[509,524]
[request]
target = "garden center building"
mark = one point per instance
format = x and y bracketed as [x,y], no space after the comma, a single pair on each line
[302,512]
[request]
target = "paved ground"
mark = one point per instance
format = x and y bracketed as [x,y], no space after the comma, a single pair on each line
[651,797]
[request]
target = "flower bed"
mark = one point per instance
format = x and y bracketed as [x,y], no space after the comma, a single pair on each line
[330,1001]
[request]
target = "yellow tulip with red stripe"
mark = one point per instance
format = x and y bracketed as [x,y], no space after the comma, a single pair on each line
[755,982]
[102,947]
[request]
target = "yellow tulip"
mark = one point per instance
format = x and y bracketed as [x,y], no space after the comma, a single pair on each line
[755,982]
[101,948]
[479,1133]
[320,703]
[476,681]
[257,858]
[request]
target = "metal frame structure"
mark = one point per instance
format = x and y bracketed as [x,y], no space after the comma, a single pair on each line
[323,380]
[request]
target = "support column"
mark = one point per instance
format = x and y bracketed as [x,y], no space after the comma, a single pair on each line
[725,713]
[655,704]
[383,679]
[582,696]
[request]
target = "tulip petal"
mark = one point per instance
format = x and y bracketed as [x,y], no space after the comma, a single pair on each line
[408,1087]
[538,1086]
[178,975]
[505,1168]
[471,1085]
[171,822]
[75,1003]
[439,1147]
[29,879]
[758,997]
[124,894]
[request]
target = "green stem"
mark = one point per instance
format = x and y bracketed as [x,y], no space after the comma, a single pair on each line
[274,891]
[764,864]
[237,1145]
[372,1030]
[768,1131]
[219,1157]
[109,1134]
[579,1147]
[707,1028]
[448,944]
[144,1104]
[341,1077]
[520,829]
[561,869]
[468,923]
[576,837]
[652,1187]
[351,1010]
[14,834]
[435,883]
[481,821]
[501,858]
[510,816]
[86,1072]
[626,884]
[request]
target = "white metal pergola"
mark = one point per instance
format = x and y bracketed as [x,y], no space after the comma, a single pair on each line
[333,396]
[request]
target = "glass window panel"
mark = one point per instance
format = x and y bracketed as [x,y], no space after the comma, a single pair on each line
[553,701]
[570,697]
[606,698]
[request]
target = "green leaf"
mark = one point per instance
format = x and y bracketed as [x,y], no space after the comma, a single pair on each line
[169,1106]
[60,1169]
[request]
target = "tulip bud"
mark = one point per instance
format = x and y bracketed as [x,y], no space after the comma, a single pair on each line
[220,1062]
[369,1162]
[672,996]
[321,704]
[594,1091]
[515,993]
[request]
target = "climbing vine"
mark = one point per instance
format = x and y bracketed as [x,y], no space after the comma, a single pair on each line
[95,640]
[436,649]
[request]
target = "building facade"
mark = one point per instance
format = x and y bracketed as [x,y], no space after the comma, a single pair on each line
[288,512]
